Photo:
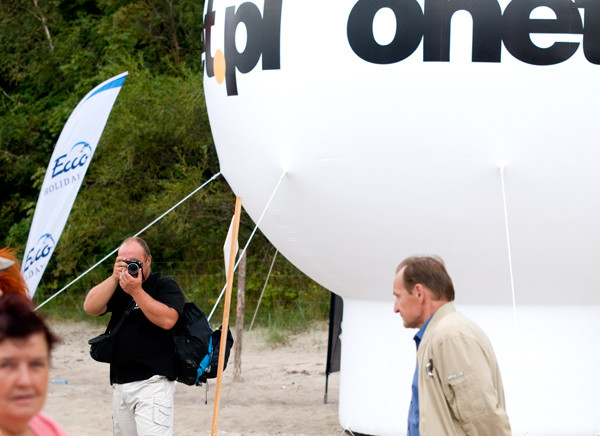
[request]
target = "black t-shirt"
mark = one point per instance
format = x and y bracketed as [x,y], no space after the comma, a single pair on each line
[143,349]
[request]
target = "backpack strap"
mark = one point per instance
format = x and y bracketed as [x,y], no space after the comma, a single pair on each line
[205,362]
[123,316]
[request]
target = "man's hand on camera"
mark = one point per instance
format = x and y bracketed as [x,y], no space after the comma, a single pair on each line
[119,267]
[130,284]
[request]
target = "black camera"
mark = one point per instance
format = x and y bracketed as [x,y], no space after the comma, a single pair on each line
[133,267]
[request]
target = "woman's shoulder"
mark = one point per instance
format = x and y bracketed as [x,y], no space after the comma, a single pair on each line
[42,425]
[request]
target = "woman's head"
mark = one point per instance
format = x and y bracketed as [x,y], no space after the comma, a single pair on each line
[11,279]
[25,345]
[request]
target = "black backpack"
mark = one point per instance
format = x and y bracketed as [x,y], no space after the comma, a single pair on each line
[197,347]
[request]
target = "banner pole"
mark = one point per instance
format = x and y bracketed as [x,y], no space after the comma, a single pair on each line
[227,304]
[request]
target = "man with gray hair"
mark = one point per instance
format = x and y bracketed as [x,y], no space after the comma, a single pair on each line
[457,389]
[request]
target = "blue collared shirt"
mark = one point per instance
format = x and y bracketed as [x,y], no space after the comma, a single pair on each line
[413,412]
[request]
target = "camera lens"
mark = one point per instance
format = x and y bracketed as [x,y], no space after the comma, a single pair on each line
[133,269]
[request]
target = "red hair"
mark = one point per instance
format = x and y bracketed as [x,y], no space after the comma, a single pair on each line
[18,320]
[11,279]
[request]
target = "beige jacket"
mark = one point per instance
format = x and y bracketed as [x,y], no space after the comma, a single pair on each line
[460,388]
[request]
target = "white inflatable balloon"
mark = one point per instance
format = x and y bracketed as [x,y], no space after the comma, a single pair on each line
[464,129]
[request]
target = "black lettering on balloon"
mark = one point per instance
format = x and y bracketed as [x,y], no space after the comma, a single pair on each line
[491,27]
[263,38]
[487,17]
[518,27]
[209,21]
[409,30]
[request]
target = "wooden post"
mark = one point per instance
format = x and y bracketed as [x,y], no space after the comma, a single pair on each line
[239,320]
[226,308]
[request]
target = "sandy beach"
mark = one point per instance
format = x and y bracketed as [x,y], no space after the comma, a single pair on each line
[282,392]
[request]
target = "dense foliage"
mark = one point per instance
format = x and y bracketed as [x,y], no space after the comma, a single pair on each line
[156,149]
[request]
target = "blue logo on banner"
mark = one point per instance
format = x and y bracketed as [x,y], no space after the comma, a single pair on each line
[77,157]
[41,251]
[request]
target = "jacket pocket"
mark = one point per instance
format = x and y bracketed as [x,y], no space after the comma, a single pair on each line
[466,399]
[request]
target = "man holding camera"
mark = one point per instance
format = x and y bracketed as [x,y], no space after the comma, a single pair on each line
[142,369]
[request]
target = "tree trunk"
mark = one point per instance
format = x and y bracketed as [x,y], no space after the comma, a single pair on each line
[173,28]
[42,18]
[239,320]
